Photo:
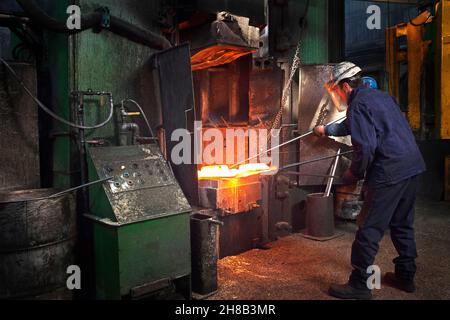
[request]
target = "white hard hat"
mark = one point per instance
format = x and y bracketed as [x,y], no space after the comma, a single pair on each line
[344,70]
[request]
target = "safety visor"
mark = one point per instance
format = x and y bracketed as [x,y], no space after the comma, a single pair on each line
[335,91]
[337,95]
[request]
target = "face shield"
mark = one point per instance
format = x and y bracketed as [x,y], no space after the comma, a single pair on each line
[337,95]
[344,70]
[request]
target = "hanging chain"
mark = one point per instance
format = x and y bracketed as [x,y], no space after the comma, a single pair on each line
[276,124]
[324,111]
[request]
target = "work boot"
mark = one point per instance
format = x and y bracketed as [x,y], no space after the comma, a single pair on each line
[346,291]
[393,281]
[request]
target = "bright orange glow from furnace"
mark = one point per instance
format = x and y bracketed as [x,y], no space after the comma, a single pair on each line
[223,171]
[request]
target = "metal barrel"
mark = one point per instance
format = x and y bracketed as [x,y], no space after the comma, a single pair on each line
[37,241]
[319,215]
[204,235]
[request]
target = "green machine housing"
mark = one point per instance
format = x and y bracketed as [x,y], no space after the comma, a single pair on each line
[141,223]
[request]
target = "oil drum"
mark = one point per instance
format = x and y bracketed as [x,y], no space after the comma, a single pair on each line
[37,240]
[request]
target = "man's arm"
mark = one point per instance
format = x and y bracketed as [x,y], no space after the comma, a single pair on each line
[364,140]
[333,130]
[337,130]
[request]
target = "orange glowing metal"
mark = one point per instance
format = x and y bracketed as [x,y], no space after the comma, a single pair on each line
[223,171]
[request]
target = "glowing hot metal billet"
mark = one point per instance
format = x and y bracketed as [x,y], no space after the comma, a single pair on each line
[223,171]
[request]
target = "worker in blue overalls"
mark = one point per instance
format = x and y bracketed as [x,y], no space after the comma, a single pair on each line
[387,157]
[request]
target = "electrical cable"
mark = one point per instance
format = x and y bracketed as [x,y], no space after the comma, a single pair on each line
[56,195]
[51,113]
[142,113]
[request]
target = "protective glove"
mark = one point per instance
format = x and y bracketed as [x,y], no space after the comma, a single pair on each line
[320,131]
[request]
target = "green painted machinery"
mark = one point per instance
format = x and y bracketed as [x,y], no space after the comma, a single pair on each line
[141,222]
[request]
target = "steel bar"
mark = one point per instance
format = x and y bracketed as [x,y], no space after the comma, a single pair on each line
[314,160]
[286,143]
[294,173]
[59,194]
[333,172]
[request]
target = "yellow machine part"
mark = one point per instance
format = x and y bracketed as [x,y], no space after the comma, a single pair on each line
[444,67]
[415,55]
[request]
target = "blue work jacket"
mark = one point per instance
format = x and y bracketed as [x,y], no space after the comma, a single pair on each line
[384,146]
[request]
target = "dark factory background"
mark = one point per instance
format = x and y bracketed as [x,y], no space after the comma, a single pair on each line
[150,67]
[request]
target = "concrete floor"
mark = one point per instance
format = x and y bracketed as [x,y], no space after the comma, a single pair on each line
[294,268]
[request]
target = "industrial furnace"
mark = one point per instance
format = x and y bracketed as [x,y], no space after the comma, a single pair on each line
[216,83]
[225,80]
[141,224]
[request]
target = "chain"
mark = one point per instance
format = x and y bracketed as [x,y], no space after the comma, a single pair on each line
[322,115]
[276,124]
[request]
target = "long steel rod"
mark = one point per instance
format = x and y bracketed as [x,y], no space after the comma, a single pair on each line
[333,172]
[285,143]
[294,173]
[314,160]
[61,193]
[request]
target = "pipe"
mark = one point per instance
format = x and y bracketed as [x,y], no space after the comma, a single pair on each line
[82,150]
[142,114]
[142,36]
[92,20]
[42,18]
[216,222]
[131,127]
